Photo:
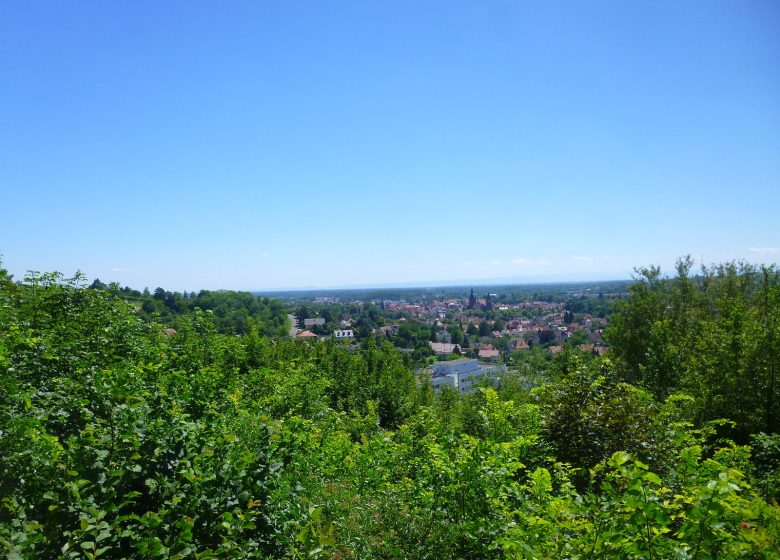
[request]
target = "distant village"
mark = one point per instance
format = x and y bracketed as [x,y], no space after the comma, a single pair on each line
[465,338]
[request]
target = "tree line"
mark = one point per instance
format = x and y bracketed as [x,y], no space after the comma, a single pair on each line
[233,312]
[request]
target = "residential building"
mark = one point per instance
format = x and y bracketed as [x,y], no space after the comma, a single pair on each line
[488,352]
[464,374]
[444,348]
[521,344]
[344,334]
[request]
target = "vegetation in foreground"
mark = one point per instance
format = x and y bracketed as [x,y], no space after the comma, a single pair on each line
[118,440]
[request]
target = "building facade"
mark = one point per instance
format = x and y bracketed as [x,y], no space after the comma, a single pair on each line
[465,374]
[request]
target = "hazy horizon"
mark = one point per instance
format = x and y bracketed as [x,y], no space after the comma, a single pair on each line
[462,283]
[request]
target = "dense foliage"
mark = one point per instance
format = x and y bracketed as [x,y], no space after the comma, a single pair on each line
[713,336]
[233,312]
[118,440]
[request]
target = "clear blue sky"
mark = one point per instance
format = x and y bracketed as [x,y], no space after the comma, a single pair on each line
[282,144]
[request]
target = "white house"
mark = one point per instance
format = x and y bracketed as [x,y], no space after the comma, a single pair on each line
[444,347]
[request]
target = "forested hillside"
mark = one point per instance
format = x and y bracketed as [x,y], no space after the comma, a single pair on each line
[119,440]
[233,312]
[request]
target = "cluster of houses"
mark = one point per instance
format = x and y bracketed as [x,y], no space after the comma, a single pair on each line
[343,333]
[544,323]
[523,333]
[541,322]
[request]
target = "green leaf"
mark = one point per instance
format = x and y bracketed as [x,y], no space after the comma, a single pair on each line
[619,458]
[652,477]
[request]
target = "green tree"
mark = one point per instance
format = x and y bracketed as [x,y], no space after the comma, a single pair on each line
[589,415]
[456,334]
[711,336]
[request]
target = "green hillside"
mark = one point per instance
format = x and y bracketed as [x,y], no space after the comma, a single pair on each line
[119,439]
